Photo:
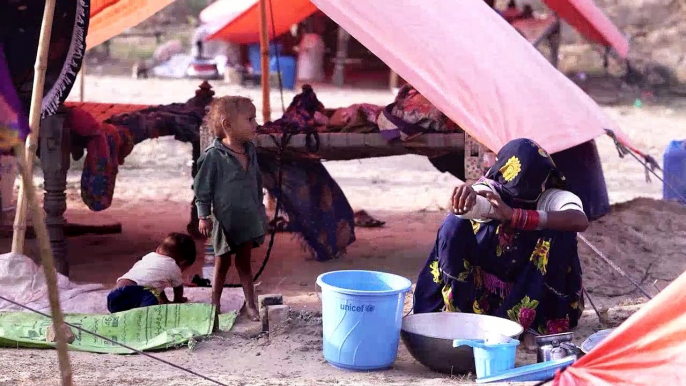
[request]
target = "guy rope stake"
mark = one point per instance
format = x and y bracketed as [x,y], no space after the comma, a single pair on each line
[27,194]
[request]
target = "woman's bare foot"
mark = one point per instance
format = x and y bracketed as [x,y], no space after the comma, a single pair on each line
[251,312]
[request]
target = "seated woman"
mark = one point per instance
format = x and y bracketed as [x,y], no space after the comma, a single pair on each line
[518,262]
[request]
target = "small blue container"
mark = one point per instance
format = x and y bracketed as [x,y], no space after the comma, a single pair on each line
[491,358]
[674,167]
[361,315]
[287,66]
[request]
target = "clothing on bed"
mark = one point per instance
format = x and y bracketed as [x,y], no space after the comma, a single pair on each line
[412,114]
[108,143]
[305,114]
[316,206]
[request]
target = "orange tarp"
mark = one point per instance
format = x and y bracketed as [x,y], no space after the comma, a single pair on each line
[648,349]
[238,21]
[109,18]
[591,22]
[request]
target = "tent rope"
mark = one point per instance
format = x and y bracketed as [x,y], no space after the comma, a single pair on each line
[614,266]
[116,343]
[648,162]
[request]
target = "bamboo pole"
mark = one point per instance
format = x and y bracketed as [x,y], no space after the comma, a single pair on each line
[82,82]
[34,121]
[47,262]
[264,62]
[27,194]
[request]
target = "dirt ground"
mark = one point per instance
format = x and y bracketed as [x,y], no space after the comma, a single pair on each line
[644,236]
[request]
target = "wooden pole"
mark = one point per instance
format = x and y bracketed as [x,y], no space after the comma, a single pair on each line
[27,194]
[82,82]
[264,62]
[34,121]
[341,57]
[48,264]
[393,80]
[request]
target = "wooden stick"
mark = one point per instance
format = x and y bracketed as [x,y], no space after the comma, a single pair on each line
[264,62]
[48,264]
[82,82]
[34,121]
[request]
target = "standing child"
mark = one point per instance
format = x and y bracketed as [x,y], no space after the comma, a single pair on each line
[144,284]
[228,191]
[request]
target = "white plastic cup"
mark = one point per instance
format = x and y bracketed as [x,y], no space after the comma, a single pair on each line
[481,207]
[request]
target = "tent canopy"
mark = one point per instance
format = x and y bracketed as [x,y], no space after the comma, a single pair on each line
[238,20]
[496,86]
[109,18]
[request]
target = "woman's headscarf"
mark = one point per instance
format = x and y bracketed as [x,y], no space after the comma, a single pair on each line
[523,171]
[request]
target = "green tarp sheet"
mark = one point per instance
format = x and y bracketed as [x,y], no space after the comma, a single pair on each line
[148,328]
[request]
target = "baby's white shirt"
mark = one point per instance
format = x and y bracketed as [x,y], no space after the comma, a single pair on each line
[155,271]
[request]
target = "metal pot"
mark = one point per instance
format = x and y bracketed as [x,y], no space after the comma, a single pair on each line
[554,347]
[429,338]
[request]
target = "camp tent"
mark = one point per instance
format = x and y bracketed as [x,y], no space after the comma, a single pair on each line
[503,89]
[237,20]
[493,93]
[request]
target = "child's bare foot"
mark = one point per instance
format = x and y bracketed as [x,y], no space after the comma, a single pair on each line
[215,328]
[252,312]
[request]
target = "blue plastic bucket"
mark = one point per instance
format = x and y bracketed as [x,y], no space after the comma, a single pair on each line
[362,314]
[491,359]
[287,66]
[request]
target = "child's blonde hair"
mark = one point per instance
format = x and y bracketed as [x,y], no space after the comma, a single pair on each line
[226,107]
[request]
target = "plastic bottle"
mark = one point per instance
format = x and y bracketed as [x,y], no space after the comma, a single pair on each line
[481,207]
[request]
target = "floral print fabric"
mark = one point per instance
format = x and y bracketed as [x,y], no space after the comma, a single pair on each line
[536,282]
[531,277]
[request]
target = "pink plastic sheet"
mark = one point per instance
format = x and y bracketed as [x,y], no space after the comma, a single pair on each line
[479,71]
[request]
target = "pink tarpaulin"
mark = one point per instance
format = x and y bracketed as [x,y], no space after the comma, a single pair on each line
[479,71]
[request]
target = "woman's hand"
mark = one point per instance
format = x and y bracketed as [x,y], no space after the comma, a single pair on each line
[205,227]
[501,211]
[463,199]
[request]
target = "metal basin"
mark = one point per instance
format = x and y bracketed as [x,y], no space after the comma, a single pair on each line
[429,338]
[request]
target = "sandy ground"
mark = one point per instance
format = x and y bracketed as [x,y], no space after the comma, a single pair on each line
[644,236]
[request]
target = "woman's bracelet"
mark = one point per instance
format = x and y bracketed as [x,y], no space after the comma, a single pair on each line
[528,220]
